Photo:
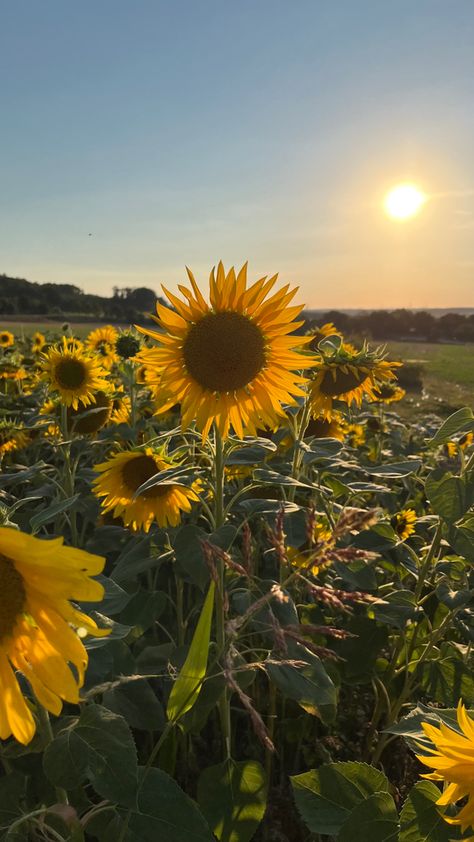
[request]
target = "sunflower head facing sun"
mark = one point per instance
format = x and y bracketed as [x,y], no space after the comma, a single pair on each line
[403,523]
[348,375]
[76,376]
[38,623]
[231,362]
[121,476]
[102,342]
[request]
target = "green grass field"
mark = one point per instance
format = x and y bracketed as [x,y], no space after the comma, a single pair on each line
[447,372]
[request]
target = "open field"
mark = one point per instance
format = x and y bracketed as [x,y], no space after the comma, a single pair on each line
[447,372]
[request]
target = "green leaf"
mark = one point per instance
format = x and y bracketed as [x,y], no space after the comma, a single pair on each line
[12,791]
[165,812]
[49,514]
[447,679]
[189,558]
[309,684]
[187,686]
[396,609]
[450,496]
[99,748]
[396,469]
[461,538]
[233,797]
[421,820]
[137,703]
[360,652]
[375,818]
[326,797]
[463,420]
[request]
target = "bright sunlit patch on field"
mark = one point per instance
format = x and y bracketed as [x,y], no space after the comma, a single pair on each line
[404,201]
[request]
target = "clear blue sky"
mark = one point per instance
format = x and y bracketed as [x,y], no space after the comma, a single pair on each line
[183,132]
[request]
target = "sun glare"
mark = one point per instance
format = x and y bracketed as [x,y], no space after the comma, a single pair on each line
[404,201]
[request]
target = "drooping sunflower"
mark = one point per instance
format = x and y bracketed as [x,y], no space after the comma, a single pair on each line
[76,376]
[87,420]
[38,341]
[122,475]
[348,375]
[37,622]
[355,435]
[6,339]
[403,523]
[322,428]
[454,447]
[102,342]
[453,762]
[232,361]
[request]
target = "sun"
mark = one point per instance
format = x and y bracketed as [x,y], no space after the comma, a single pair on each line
[404,201]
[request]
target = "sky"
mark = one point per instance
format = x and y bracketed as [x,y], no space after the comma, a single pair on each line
[140,137]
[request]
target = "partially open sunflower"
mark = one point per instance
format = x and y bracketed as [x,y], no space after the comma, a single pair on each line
[232,361]
[120,478]
[348,375]
[37,625]
[76,376]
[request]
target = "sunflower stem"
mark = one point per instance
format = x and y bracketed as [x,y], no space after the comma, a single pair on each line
[219,518]
[69,475]
[300,430]
[48,737]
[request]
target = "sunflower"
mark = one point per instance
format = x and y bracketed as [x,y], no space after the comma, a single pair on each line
[319,333]
[102,342]
[74,374]
[309,557]
[348,375]
[403,523]
[389,393]
[453,762]
[72,344]
[12,437]
[355,435]
[6,339]
[37,621]
[322,428]
[38,341]
[122,475]
[89,419]
[231,362]
[121,407]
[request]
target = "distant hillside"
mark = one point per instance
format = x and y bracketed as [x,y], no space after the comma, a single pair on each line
[21,297]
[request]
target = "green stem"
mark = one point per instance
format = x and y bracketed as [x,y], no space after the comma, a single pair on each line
[300,430]
[48,737]
[219,517]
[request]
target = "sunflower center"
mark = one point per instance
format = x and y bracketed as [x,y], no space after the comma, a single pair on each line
[224,352]
[12,597]
[71,373]
[343,382]
[91,418]
[137,471]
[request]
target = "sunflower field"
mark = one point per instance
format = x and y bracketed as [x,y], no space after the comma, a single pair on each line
[236,589]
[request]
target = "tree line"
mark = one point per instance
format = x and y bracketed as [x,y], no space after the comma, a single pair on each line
[401,324]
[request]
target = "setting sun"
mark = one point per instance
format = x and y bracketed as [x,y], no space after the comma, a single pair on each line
[404,201]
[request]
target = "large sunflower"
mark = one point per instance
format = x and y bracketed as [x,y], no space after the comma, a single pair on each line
[452,759]
[75,375]
[232,361]
[348,375]
[120,478]
[37,622]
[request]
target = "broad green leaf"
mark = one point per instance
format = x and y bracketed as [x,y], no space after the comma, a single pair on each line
[421,820]
[360,653]
[461,538]
[450,496]
[326,797]
[12,791]
[410,725]
[232,797]
[47,515]
[309,684]
[98,747]
[463,420]
[164,813]
[376,819]
[137,703]
[396,469]
[187,686]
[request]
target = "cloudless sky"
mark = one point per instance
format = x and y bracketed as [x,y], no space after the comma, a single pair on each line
[183,131]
